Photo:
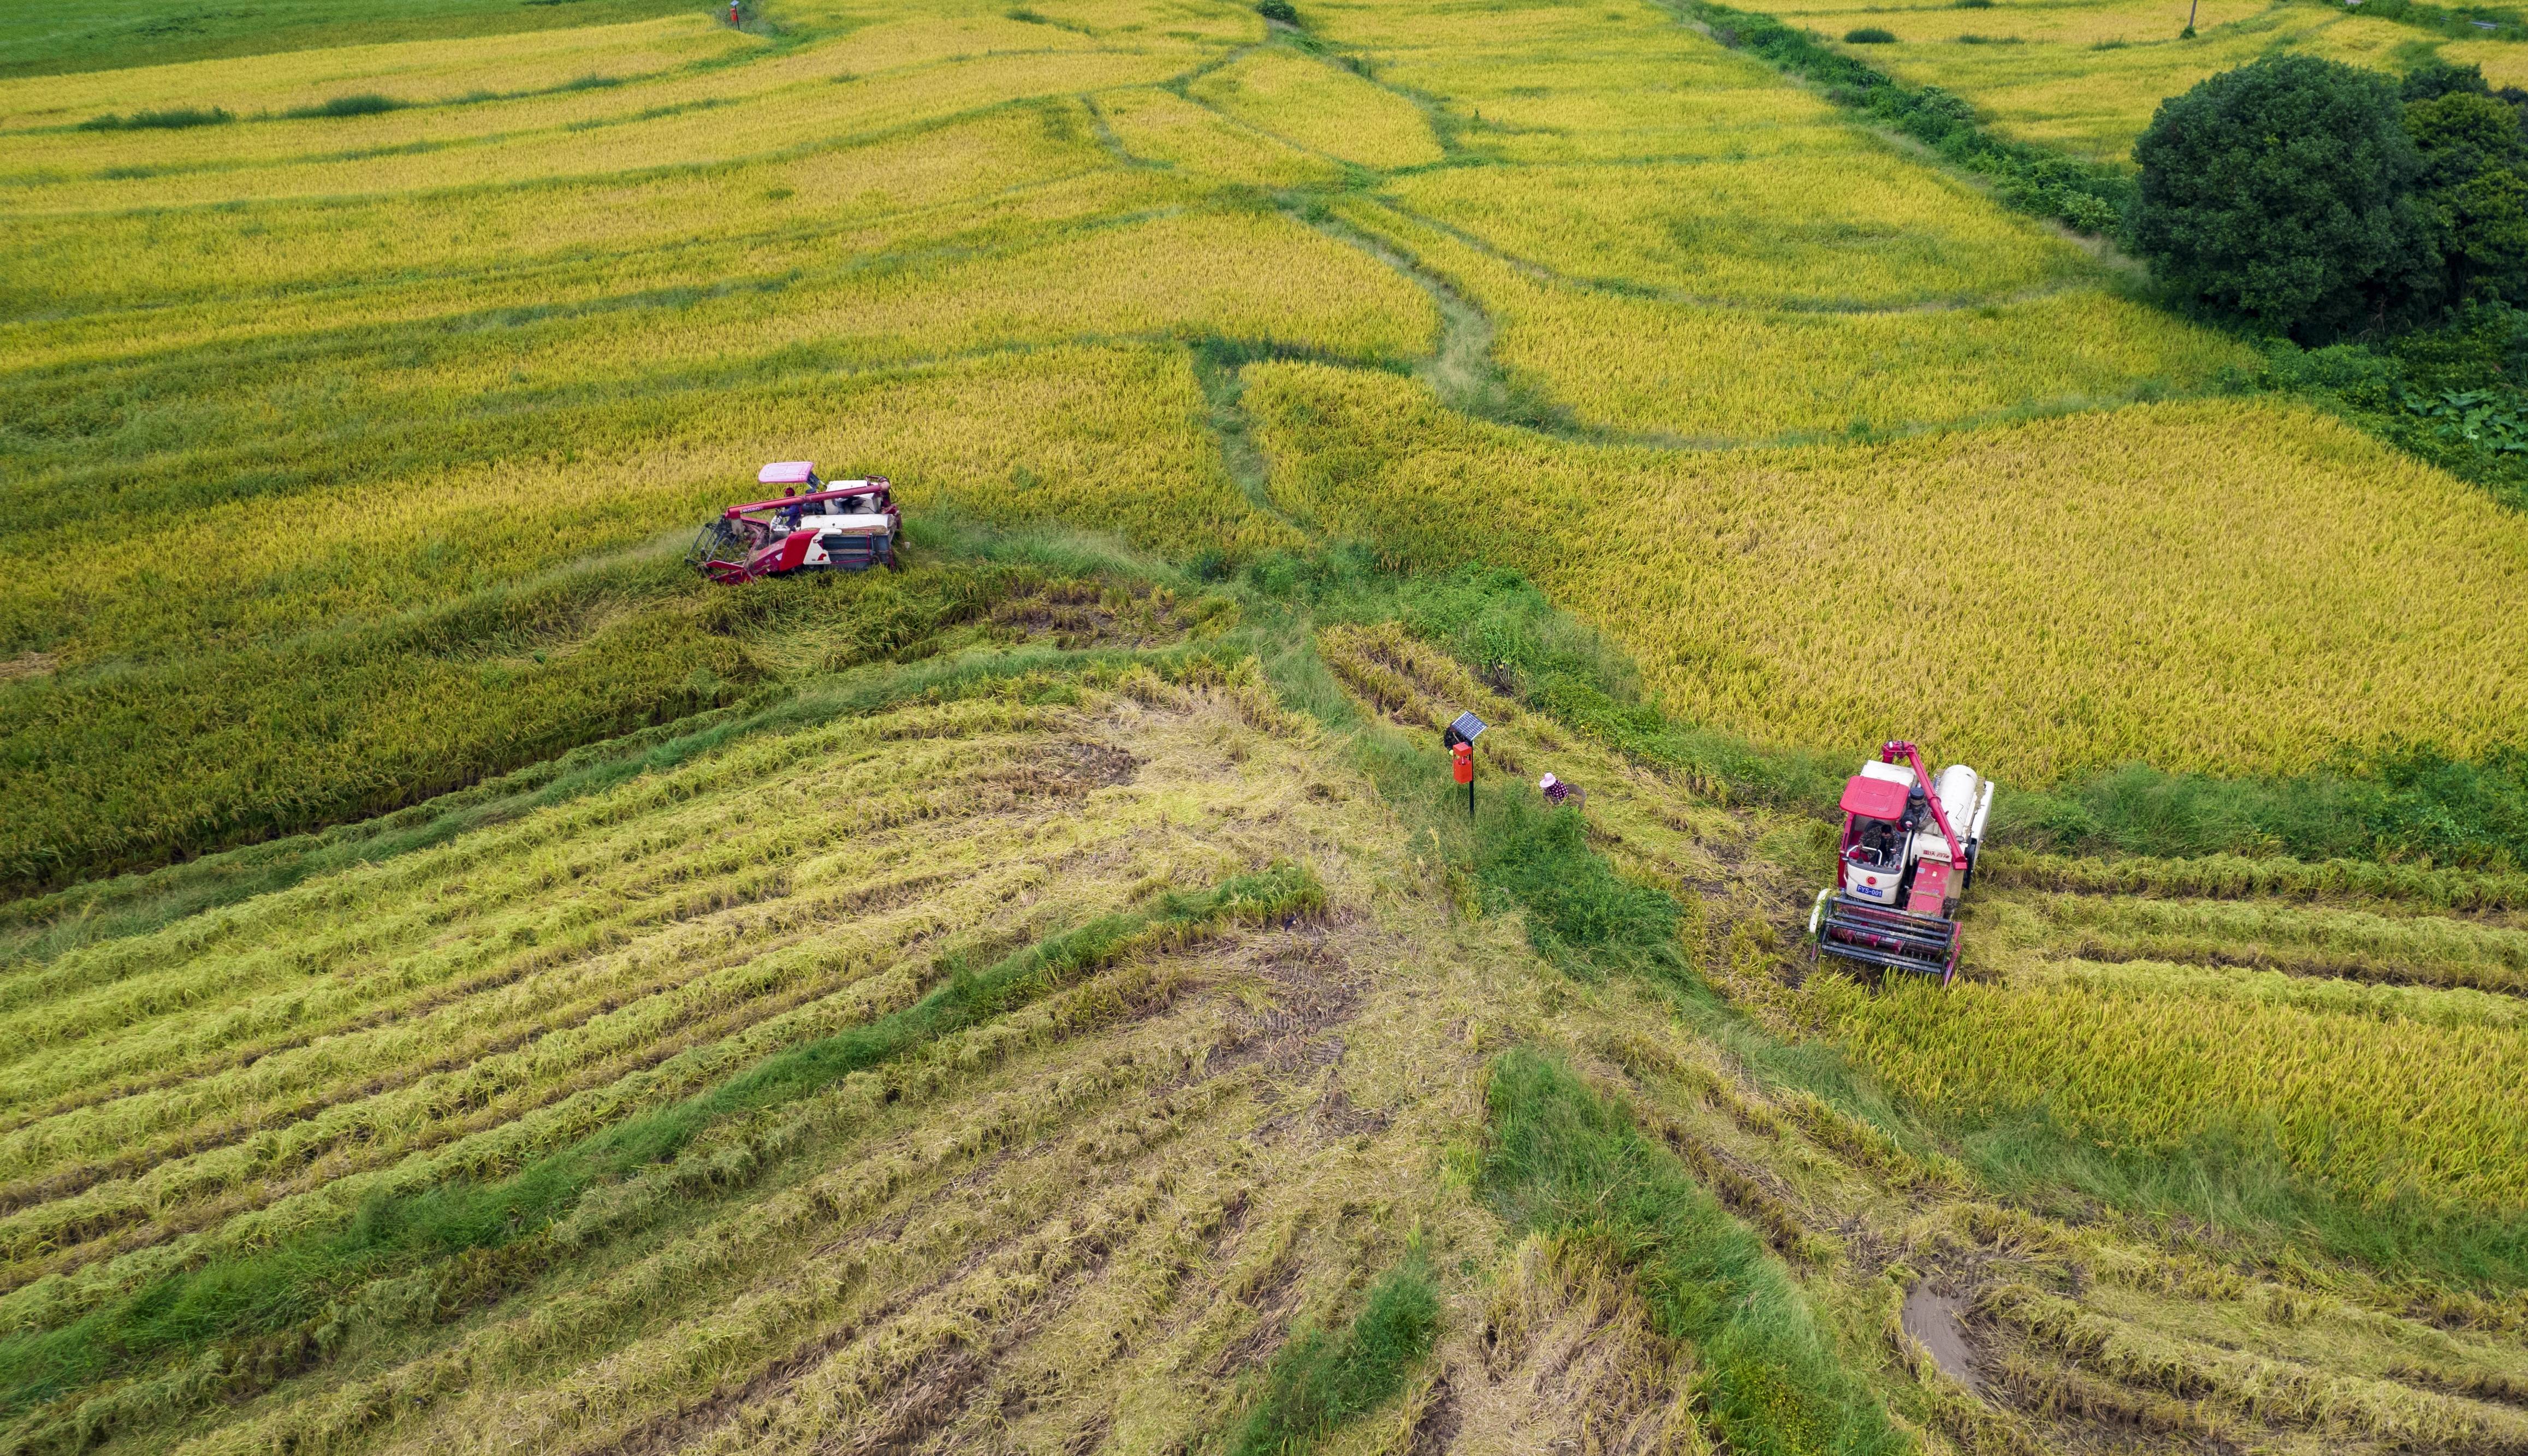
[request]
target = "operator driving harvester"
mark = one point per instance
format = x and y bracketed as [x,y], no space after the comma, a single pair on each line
[817,525]
[1909,853]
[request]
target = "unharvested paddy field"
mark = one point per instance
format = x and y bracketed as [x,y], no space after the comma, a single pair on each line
[467,984]
[2085,78]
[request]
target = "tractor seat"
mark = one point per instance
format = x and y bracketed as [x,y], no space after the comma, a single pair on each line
[1871,858]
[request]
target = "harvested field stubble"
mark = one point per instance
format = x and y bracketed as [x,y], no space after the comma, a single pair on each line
[1010,1048]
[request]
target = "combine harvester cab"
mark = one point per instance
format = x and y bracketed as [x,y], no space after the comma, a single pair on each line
[1908,855]
[826,526]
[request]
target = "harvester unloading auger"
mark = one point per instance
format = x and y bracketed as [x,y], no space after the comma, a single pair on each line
[1908,855]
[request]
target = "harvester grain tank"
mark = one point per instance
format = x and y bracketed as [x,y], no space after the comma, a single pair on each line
[1908,851]
[815,525]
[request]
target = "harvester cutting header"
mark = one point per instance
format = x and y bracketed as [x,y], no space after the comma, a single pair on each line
[815,525]
[1909,853]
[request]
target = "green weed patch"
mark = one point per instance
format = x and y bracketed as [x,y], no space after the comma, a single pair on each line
[1320,1379]
[1564,1161]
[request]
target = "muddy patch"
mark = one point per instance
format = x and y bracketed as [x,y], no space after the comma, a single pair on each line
[1939,1321]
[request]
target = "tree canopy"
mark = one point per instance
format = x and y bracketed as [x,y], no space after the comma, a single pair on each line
[2284,194]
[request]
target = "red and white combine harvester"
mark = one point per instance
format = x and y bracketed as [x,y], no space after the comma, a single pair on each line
[817,525]
[1908,853]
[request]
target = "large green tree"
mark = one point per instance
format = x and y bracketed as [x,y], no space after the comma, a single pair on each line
[2473,192]
[2283,193]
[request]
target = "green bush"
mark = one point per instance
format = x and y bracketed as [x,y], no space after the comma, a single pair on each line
[2282,194]
[2435,77]
[365,104]
[1870,35]
[1278,10]
[2473,187]
[170,120]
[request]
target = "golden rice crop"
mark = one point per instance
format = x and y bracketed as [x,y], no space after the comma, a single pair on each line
[944,782]
[1689,102]
[1038,437]
[1119,1080]
[410,71]
[2118,22]
[1155,124]
[1806,230]
[2222,586]
[2359,945]
[2505,63]
[2232,877]
[627,136]
[2086,77]
[1297,98]
[1235,26]
[1244,274]
[746,987]
[1522,30]
[1706,372]
[570,281]
[856,79]
[2374,1104]
[1710,373]
[656,220]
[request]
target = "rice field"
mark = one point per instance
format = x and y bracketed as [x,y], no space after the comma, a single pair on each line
[464,983]
[2063,571]
[2085,78]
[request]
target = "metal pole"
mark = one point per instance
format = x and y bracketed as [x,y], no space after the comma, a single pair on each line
[1470,797]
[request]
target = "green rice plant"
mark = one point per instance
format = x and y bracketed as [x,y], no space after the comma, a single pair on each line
[2396,803]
